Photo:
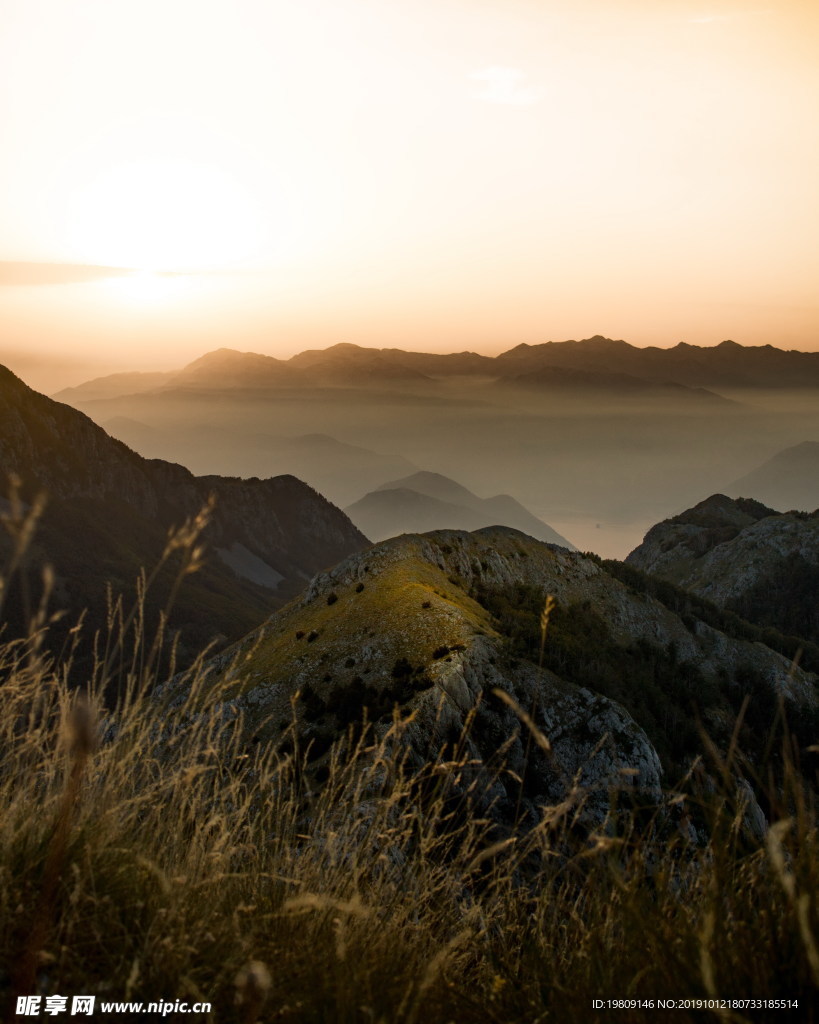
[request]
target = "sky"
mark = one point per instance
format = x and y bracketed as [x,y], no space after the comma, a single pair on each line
[432,174]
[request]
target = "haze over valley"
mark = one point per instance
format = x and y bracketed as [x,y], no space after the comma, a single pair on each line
[596,438]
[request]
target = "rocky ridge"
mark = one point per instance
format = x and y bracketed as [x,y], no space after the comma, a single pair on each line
[401,628]
[740,555]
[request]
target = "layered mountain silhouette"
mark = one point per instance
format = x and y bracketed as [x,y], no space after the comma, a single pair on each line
[597,362]
[725,365]
[108,514]
[595,431]
[429,501]
[743,556]
[788,480]
[226,368]
[351,365]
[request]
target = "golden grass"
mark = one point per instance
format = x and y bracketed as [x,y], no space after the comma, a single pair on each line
[147,851]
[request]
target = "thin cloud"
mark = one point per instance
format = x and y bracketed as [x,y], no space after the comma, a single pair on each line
[505,85]
[25,273]
[22,273]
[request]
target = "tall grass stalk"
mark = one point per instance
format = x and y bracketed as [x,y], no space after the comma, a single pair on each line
[174,859]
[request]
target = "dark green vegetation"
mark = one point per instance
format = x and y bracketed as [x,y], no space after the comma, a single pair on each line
[673,700]
[181,834]
[786,600]
[745,620]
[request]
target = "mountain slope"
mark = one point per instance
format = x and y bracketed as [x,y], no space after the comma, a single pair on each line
[388,512]
[430,501]
[352,365]
[113,386]
[109,511]
[565,379]
[335,469]
[434,624]
[227,368]
[790,479]
[743,556]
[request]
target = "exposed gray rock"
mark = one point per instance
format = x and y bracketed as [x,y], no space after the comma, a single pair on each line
[395,627]
[740,555]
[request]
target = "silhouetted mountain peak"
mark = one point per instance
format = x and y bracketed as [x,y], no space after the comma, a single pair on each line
[109,512]
[601,341]
[427,501]
[222,357]
[720,510]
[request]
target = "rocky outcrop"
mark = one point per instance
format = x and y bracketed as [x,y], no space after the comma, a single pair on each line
[742,556]
[672,547]
[406,628]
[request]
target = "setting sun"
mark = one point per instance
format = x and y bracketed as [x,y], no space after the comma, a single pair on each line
[159,214]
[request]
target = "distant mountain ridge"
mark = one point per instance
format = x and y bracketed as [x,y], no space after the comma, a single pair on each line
[427,501]
[617,364]
[727,364]
[109,511]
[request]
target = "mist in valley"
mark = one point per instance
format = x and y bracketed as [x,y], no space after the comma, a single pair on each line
[599,462]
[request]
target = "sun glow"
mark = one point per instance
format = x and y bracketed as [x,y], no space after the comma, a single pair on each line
[146,288]
[159,215]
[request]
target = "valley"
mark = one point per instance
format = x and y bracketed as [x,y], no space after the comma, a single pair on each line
[608,452]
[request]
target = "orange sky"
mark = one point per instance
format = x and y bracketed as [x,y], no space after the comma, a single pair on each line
[435,174]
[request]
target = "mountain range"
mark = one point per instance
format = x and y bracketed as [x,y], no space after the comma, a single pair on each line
[579,433]
[338,470]
[595,363]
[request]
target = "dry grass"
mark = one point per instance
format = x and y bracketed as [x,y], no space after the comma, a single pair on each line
[149,851]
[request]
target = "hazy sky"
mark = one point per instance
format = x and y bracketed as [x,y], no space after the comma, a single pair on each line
[434,174]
